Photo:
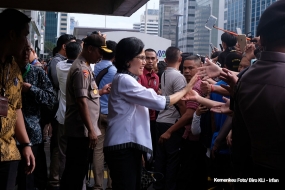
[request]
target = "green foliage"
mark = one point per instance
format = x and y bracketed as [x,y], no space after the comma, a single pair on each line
[49,47]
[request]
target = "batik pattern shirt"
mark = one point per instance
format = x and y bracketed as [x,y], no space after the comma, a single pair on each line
[40,94]
[8,148]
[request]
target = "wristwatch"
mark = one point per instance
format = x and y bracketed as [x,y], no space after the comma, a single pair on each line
[26,144]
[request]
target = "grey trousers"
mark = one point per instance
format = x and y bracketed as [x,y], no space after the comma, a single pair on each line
[98,157]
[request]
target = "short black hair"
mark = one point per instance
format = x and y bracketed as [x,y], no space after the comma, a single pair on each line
[232,61]
[12,19]
[79,41]
[183,55]
[161,65]
[112,46]
[150,50]
[64,39]
[273,36]
[95,32]
[194,58]
[73,49]
[54,51]
[172,54]
[126,50]
[229,39]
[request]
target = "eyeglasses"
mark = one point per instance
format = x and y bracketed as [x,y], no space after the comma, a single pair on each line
[141,57]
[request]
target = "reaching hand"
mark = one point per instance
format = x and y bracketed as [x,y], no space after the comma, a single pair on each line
[191,95]
[205,87]
[223,108]
[249,51]
[209,70]
[192,82]
[230,78]
[30,159]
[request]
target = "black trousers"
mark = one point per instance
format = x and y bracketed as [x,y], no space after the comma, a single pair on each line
[193,170]
[222,169]
[26,182]
[167,159]
[149,164]
[40,172]
[8,174]
[125,168]
[76,166]
[154,139]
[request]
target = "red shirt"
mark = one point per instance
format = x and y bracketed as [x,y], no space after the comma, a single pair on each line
[150,80]
[192,105]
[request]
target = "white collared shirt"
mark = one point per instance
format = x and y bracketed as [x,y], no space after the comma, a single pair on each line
[128,114]
[62,69]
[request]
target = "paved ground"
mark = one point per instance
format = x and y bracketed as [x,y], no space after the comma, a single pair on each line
[47,151]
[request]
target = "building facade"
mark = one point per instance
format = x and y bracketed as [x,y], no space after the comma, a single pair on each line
[202,35]
[186,25]
[218,10]
[63,24]
[150,19]
[51,27]
[257,8]
[73,24]
[235,14]
[167,19]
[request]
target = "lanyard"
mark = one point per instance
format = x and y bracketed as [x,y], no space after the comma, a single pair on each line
[3,79]
[27,70]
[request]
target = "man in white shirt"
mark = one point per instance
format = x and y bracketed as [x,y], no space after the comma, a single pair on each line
[62,68]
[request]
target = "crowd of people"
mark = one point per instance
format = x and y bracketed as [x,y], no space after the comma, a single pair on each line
[196,122]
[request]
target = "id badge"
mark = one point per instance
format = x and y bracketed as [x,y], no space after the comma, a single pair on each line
[3,106]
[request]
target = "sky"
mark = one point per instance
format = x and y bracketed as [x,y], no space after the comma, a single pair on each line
[89,20]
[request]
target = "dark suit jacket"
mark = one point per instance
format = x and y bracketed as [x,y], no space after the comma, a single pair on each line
[259,121]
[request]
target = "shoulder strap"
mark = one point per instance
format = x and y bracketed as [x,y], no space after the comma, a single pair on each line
[175,105]
[101,74]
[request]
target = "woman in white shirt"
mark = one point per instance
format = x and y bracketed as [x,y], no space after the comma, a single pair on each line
[128,131]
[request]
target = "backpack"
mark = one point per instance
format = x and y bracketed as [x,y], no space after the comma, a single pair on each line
[101,74]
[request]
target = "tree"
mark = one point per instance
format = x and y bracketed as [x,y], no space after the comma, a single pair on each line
[49,47]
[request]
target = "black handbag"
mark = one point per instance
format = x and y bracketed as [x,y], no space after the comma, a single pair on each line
[147,178]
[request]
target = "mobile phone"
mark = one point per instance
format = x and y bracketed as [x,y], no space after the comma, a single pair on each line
[219,64]
[211,45]
[211,22]
[242,42]
[222,49]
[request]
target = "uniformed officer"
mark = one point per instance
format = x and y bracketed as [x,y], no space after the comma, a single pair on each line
[82,112]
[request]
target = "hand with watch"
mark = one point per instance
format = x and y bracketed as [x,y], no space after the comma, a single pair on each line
[29,157]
